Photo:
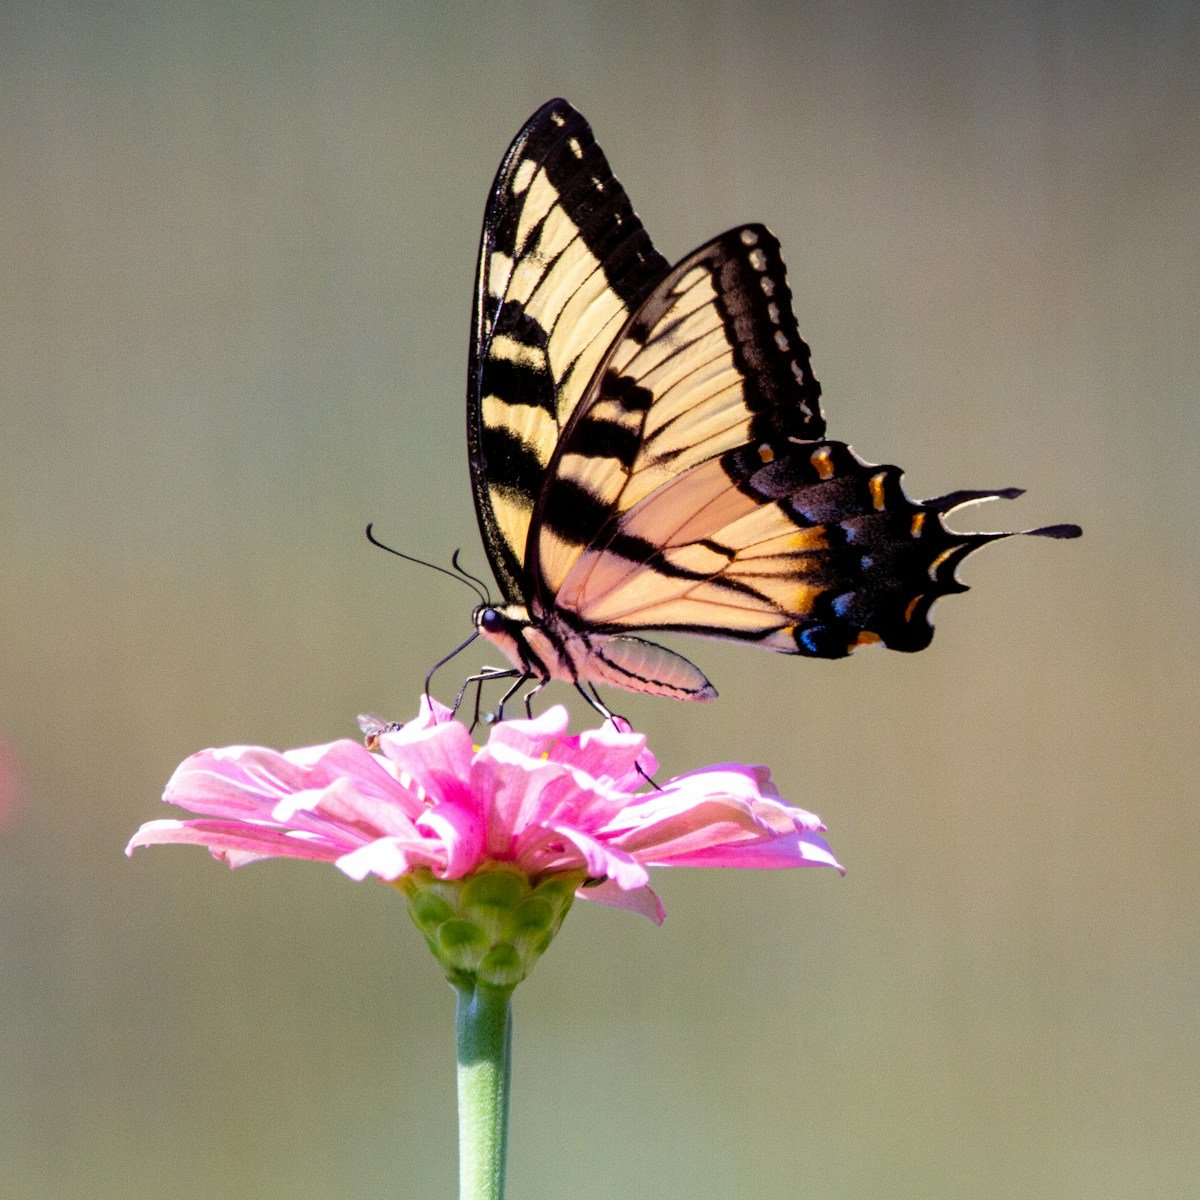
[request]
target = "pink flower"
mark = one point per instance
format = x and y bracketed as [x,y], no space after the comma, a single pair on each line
[534,797]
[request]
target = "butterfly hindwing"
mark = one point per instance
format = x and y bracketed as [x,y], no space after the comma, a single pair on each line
[563,263]
[711,361]
[800,547]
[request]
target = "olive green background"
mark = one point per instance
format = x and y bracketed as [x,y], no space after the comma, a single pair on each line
[238,245]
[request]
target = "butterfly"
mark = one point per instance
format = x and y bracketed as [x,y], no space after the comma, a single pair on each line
[648,452]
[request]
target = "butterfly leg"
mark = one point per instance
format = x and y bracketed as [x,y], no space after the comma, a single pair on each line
[496,673]
[480,678]
[478,698]
[529,695]
[523,677]
[615,718]
[594,702]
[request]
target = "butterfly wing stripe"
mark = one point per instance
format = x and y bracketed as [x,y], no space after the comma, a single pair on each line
[563,262]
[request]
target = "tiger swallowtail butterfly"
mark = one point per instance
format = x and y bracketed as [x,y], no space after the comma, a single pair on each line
[648,451]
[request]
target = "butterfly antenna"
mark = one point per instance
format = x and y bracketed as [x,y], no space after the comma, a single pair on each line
[487,598]
[458,575]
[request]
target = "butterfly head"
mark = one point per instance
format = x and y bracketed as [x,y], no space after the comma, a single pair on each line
[501,624]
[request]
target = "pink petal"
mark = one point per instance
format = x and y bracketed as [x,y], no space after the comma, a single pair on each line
[571,797]
[234,842]
[389,858]
[341,806]
[535,795]
[533,738]
[250,780]
[751,782]
[606,862]
[430,712]
[459,833]
[436,757]
[678,824]
[641,900]
[605,753]
[689,799]
[513,785]
[787,850]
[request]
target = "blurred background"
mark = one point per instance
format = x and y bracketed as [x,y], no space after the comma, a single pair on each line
[238,245]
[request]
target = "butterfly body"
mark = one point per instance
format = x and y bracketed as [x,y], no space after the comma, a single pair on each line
[548,647]
[648,450]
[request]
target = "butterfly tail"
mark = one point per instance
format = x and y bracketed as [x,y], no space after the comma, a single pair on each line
[887,559]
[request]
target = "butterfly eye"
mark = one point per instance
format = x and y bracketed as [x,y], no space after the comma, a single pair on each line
[491,621]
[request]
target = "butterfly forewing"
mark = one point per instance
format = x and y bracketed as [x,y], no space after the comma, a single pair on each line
[563,263]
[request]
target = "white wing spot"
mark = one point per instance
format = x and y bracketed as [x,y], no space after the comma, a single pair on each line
[523,176]
[599,183]
[780,340]
[576,148]
[758,260]
[796,370]
[558,119]
[768,285]
[749,237]
[773,312]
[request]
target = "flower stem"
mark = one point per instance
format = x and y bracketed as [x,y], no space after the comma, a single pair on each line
[484,1044]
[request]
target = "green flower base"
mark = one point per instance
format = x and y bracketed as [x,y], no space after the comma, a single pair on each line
[491,926]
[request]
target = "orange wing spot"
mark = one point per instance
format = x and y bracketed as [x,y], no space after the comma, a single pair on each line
[918,523]
[812,538]
[937,562]
[867,638]
[822,461]
[912,607]
[875,483]
[766,453]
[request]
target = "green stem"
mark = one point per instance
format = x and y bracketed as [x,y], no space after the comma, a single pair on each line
[484,1043]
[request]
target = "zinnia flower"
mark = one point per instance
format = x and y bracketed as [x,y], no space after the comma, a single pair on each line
[536,813]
